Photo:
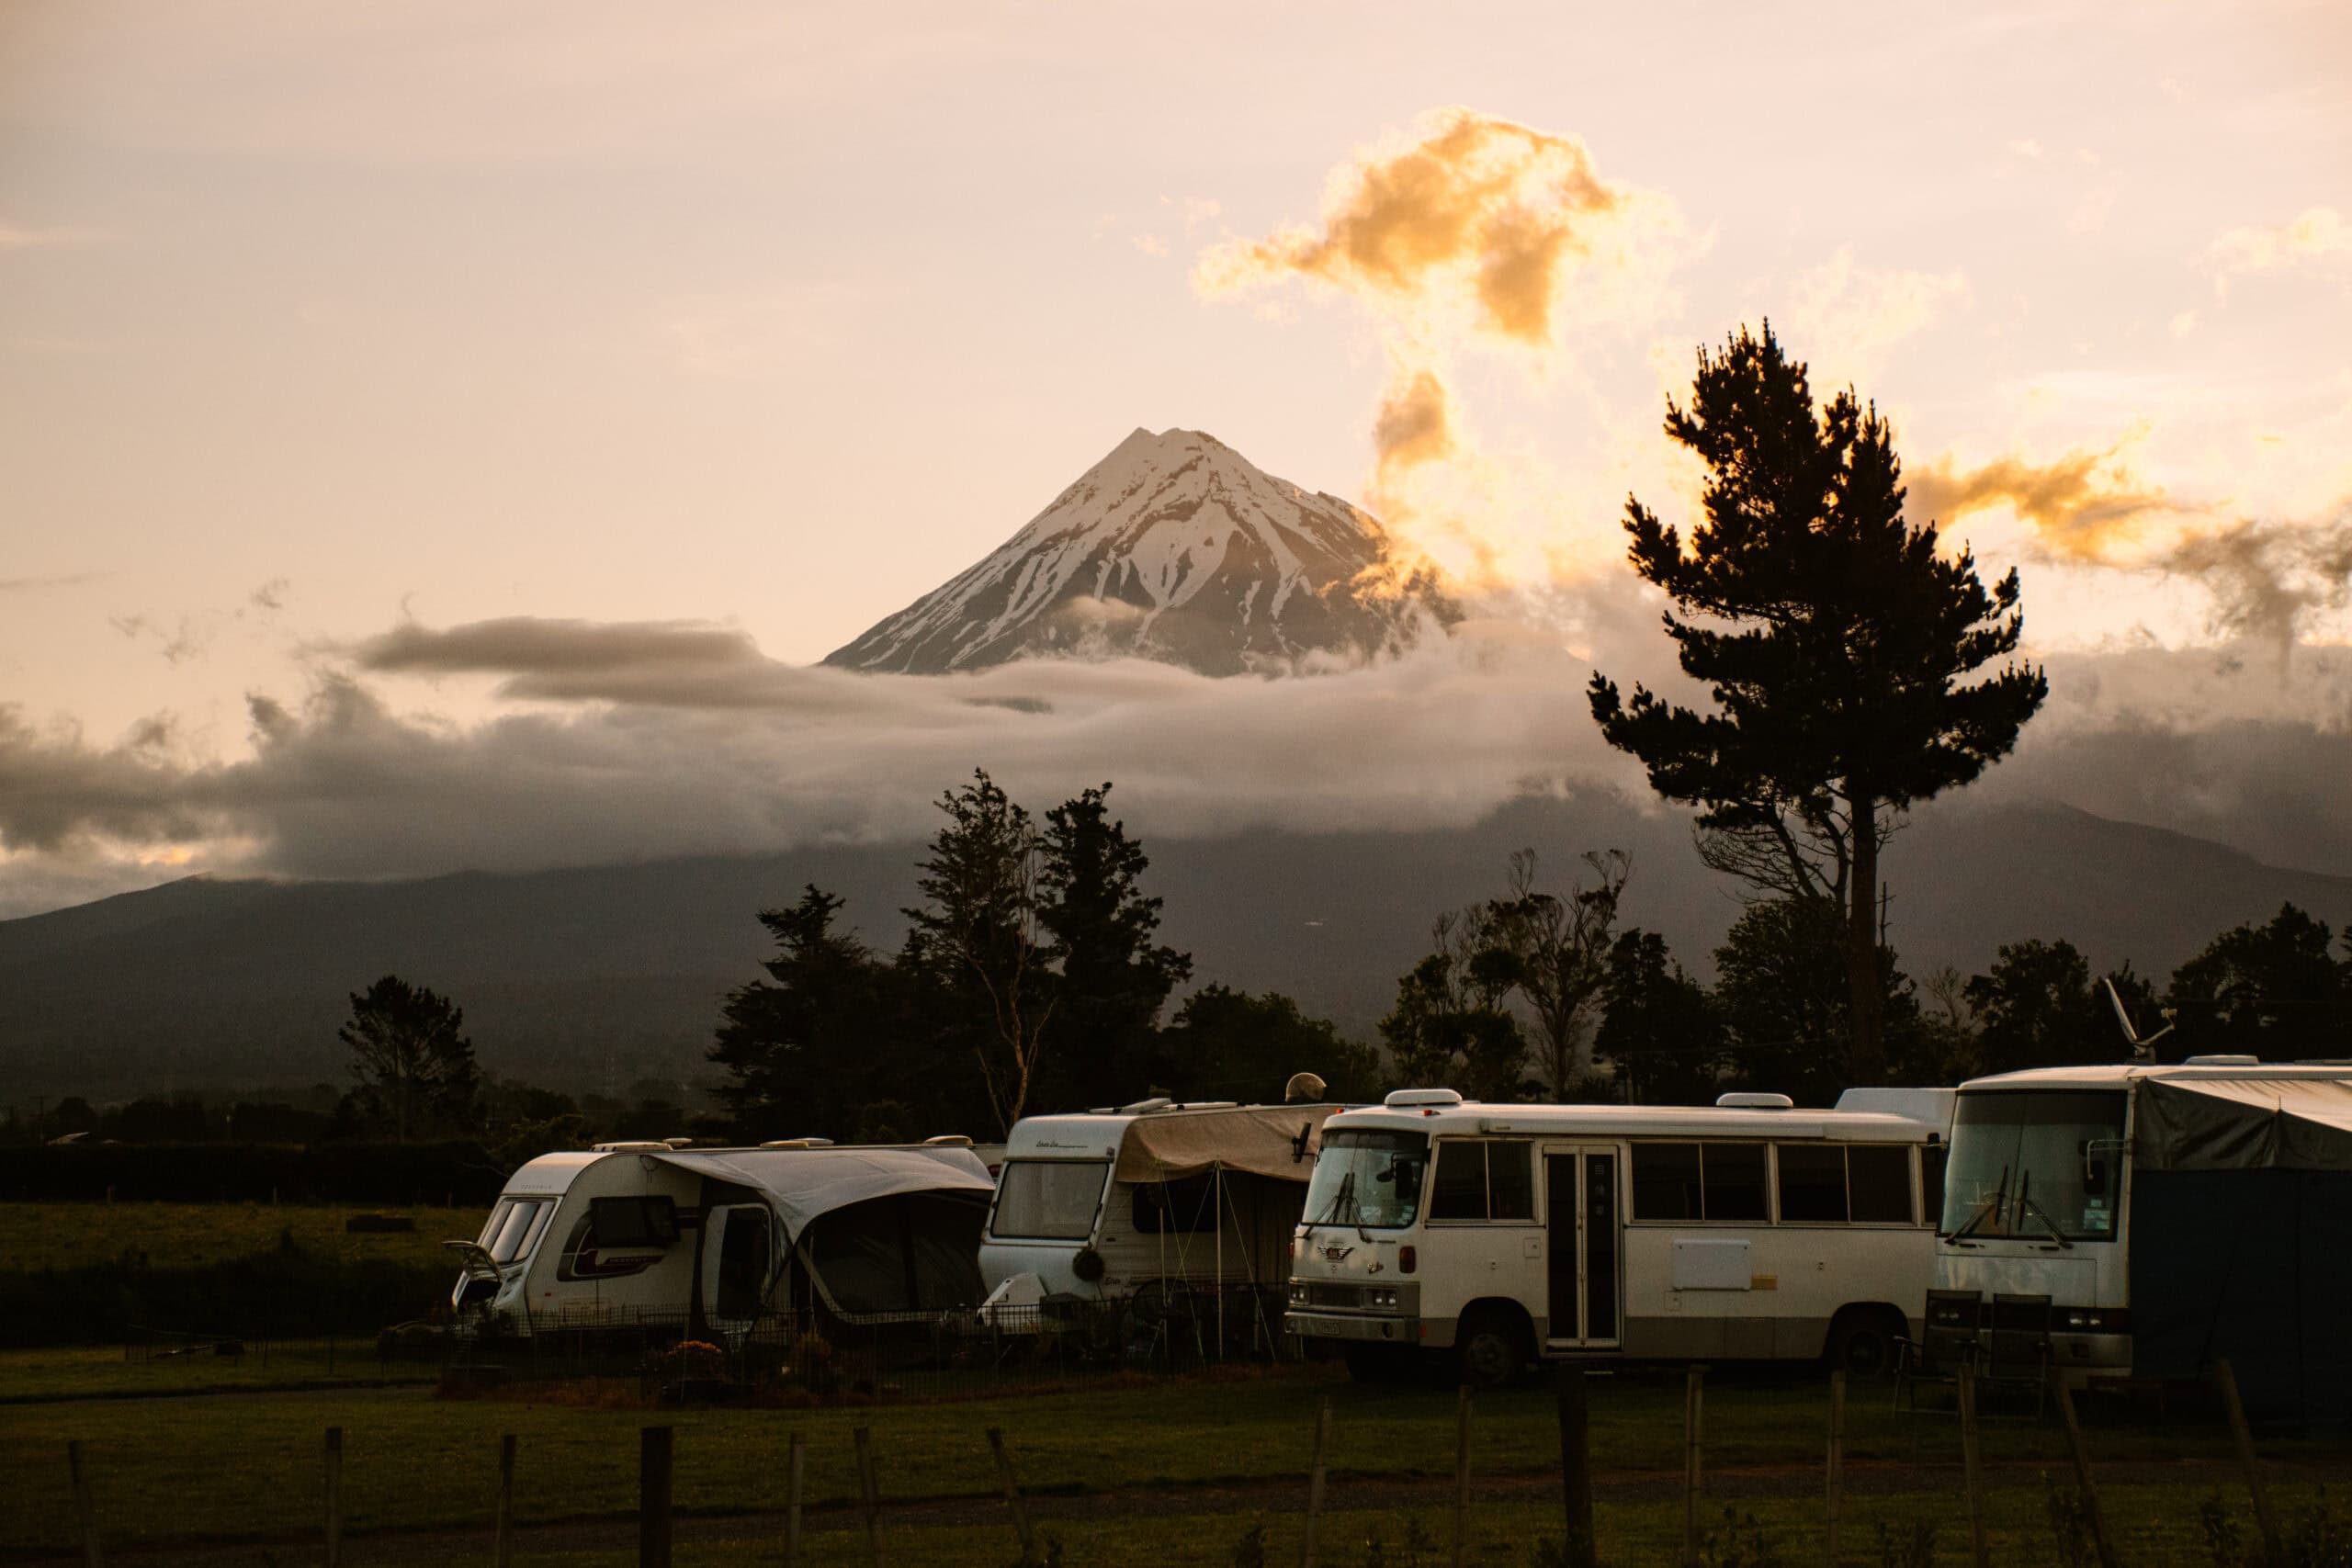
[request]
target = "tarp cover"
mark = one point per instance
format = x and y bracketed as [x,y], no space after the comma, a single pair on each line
[2249,1123]
[805,1183]
[1261,1139]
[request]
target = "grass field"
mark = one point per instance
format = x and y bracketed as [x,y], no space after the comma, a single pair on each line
[34,1236]
[246,1468]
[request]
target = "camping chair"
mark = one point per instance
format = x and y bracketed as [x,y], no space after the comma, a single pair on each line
[1947,1344]
[2020,1346]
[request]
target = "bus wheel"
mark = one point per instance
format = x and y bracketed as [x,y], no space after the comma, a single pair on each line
[1861,1343]
[1488,1350]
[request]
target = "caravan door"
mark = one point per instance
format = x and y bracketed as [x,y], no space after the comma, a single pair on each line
[739,1255]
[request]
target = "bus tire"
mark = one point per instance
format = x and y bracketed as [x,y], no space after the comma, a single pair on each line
[1862,1341]
[1491,1350]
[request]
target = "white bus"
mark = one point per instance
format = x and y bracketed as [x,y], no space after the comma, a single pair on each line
[2143,1221]
[1498,1235]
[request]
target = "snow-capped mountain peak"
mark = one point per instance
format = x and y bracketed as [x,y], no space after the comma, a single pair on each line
[1173,547]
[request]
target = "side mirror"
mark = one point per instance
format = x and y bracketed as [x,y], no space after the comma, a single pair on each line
[2094,1175]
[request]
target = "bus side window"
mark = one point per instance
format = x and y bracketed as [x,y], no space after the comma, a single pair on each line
[1931,1182]
[1511,1182]
[1666,1181]
[1459,1190]
[1881,1180]
[1733,1177]
[1813,1183]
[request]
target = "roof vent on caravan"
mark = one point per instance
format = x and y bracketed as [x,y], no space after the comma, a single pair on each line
[1143,1107]
[1755,1103]
[1418,1099]
[637,1146]
[678,1143]
[2221,1061]
[1304,1089]
[798,1144]
[948,1141]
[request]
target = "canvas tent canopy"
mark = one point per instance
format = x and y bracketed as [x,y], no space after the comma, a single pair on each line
[2242,1239]
[1275,1140]
[803,1184]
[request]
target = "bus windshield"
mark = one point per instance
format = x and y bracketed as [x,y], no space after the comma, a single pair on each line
[1368,1179]
[2031,1164]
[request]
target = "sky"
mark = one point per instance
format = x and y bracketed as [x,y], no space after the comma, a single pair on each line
[677,348]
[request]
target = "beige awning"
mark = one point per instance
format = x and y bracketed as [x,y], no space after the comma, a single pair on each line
[2245,1123]
[1278,1141]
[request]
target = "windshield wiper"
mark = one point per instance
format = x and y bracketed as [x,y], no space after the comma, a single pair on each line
[1984,1211]
[1346,1194]
[2026,1205]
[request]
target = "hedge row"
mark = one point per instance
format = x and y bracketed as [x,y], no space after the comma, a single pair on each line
[389,1174]
[288,1293]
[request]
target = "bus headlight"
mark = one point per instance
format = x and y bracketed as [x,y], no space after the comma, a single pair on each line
[1297,1293]
[2094,1320]
[1381,1298]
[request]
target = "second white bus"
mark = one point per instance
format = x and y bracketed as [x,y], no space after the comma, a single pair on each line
[1501,1235]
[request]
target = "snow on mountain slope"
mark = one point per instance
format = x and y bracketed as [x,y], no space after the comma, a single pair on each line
[1175,548]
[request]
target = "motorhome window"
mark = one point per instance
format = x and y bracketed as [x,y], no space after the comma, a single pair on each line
[1666,1181]
[1368,1179]
[1459,1189]
[1931,1181]
[1166,1208]
[1878,1182]
[1510,1182]
[1049,1200]
[634,1222]
[1732,1177]
[1813,1183]
[2035,1163]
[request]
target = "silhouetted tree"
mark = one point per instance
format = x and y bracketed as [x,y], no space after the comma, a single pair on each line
[1783,992]
[1661,1031]
[1833,637]
[981,938]
[2272,990]
[1114,977]
[2039,1005]
[1558,948]
[410,1049]
[1229,1045]
[798,1047]
[1449,1025]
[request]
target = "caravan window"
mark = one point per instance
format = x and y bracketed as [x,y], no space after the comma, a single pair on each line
[1813,1183]
[1699,1181]
[1880,1177]
[633,1222]
[1049,1200]
[514,1226]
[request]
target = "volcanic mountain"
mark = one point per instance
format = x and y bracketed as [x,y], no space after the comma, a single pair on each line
[1174,547]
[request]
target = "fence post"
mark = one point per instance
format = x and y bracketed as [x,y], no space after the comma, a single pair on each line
[1575,1465]
[85,1511]
[2227,1379]
[505,1549]
[1315,1484]
[1012,1496]
[872,1492]
[1693,1408]
[1461,1476]
[1981,1552]
[2083,1476]
[1836,1474]
[653,1454]
[796,1459]
[334,1496]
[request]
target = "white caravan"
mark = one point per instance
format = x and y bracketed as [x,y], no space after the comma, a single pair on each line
[1102,1205]
[1502,1233]
[722,1238]
[2150,1219]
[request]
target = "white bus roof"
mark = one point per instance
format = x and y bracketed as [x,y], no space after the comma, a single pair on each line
[2122,1074]
[1895,1116]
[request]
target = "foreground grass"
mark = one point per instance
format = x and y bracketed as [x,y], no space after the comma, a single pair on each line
[99,1371]
[35,1237]
[183,1471]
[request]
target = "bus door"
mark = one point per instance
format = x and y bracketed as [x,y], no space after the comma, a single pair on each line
[1585,1251]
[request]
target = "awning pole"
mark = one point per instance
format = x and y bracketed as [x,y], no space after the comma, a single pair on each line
[1217,1174]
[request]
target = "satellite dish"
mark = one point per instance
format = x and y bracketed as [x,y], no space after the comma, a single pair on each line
[2142,1050]
[1304,1089]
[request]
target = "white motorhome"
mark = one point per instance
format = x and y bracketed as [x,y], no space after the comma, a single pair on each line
[1501,1234]
[1101,1205]
[633,1232]
[2146,1221]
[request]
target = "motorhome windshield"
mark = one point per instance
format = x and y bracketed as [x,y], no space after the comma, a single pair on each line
[1368,1179]
[514,1225]
[1049,1200]
[2030,1164]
